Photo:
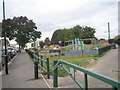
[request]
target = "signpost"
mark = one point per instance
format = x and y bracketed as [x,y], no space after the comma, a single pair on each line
[72,71]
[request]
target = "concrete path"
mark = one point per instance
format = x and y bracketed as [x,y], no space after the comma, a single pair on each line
[106,65]
[21,74]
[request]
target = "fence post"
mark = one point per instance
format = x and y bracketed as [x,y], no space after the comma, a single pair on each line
[48,69]
[86,81]
[35,69]
[114,88]
[32,54]
[55,75]
[41,61]
[38,59]
[6,64]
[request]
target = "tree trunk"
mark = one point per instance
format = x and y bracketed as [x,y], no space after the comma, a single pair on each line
[19,48]
[34,45]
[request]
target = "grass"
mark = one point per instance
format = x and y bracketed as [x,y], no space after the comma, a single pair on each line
[77,59]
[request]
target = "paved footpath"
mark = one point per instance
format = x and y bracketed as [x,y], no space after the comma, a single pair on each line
[21,74]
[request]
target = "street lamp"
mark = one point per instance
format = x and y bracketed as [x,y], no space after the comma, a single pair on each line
[6,66]
[108,31]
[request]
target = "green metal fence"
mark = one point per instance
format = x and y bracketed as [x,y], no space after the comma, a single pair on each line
[115,84]
[40,61]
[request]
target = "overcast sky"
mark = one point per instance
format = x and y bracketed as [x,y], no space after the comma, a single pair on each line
[50,15]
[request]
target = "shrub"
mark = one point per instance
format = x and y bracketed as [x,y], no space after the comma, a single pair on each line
[87,41]
[62,54]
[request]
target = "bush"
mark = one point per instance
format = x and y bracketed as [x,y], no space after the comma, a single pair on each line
[87,41]
[51,55]
[55,54]
[62,54]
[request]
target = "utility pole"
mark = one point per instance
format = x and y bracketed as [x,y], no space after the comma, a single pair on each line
[6,61]
[108,31]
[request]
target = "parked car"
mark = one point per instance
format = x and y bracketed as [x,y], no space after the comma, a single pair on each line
[8,54]
[16,49]
[11,51]
[2,58]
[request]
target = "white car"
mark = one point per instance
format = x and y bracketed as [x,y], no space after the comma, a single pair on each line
[11,50]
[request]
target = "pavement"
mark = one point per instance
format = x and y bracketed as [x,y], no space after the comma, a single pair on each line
[106,65]
[21,74]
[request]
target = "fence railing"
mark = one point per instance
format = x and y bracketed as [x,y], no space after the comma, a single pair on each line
[30,53]
[40,61]
[115,84]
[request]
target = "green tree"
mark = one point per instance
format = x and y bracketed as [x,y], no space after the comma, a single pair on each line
[72,33]
[47,41]
[7,27]
[21,29]
[41,43]
[117,39]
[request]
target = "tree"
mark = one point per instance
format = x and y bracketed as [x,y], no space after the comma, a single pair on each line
[117,39]
[7,42]
[41,43]
[21,29]
[102,39]
[47,41]
[72,33]
[7,27]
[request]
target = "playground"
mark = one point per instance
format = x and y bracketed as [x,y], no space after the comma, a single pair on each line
[76,46]
[75,52]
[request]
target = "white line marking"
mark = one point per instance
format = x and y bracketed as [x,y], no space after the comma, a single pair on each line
[46,81]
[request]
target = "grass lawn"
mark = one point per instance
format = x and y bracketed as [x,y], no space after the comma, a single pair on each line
[77,59]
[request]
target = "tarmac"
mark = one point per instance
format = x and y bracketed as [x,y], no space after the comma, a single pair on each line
[21,74]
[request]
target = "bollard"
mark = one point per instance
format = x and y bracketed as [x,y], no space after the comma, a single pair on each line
[36,70]
[6,64]
[55,75]
[48,69]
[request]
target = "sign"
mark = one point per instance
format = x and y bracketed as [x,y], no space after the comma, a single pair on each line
[72,71]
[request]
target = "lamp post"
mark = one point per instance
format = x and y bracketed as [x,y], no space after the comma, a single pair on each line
[108,31]
[6,66]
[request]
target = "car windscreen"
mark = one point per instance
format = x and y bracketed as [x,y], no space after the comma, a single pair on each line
[10,48]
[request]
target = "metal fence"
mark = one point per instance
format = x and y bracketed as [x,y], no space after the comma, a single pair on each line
[115,84]
[40,61]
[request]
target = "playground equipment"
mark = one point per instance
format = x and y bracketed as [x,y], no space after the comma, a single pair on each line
[78,44]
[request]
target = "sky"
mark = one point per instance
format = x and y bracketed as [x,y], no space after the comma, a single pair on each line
[50,15]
